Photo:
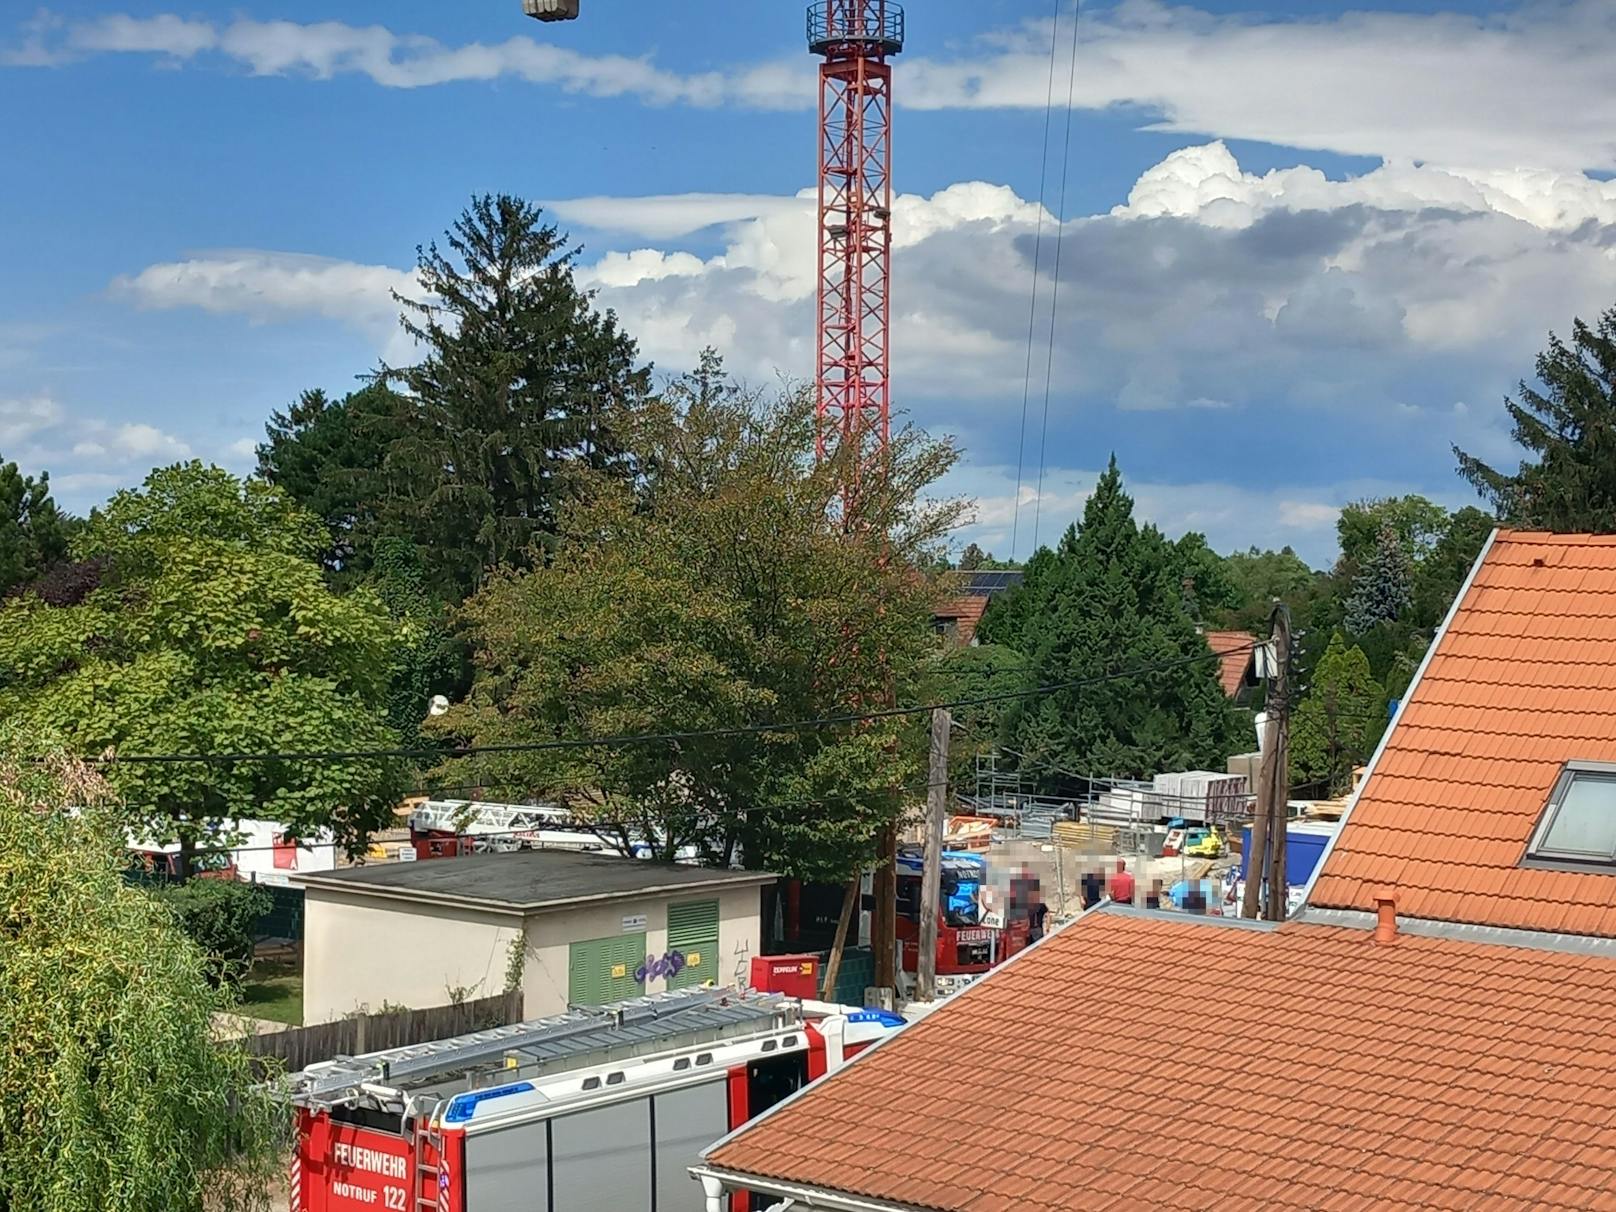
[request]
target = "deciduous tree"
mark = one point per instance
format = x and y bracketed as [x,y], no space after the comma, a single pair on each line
[1340,720]
[118,1093]
[212,632]
[715,594]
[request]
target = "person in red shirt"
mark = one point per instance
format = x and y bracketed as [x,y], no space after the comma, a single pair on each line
[1122,884]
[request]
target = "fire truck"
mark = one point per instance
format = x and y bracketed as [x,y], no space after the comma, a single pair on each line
[973,935]
[450,828]
[598,1110]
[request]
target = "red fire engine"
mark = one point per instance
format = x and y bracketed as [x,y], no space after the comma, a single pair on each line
[592,1111]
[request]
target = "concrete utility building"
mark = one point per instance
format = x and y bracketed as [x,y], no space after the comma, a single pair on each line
[593,929]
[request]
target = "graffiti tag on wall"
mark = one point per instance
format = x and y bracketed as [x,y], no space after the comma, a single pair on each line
[656,967]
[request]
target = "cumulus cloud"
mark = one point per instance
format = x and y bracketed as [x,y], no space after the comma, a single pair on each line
[84,452]
[1363,324]
[1526,87]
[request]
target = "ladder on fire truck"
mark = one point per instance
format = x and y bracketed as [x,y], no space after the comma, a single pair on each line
[342,1080]
[470,816]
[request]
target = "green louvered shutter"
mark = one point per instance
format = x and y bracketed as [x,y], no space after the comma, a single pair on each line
[693,932]
[601,971]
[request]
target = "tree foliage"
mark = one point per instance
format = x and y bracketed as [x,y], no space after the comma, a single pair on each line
[521,386]
[1339,723]
[1567,479]
[1383,589]
[713,594]
[34,533]
[212,631]
[1107,608]
[327,456]
[221,917]
[117,1094]
[1417,523]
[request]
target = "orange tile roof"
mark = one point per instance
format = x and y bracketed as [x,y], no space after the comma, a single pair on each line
[966,613]
[1233,650]
[1135,1061]
[1522,681]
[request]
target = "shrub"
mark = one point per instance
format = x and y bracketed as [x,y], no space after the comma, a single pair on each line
[221,917]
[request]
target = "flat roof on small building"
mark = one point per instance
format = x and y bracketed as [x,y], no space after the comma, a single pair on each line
[526,881]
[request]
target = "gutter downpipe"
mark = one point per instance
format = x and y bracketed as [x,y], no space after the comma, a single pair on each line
[1408,697]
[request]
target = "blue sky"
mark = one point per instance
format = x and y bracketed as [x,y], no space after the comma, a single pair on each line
[1305,248]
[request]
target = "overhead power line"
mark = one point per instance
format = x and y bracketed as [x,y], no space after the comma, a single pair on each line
[1037,261]
[655,738]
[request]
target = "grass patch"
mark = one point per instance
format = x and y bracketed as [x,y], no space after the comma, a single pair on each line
[274,991]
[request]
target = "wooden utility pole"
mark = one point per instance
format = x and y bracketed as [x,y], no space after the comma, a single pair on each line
[931,880]
[1257,859]
[884,913]
[1278,783]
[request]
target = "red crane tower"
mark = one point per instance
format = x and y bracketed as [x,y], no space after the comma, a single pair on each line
[853,377]
[855,39]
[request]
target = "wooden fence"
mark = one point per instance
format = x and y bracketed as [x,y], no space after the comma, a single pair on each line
[299,1047]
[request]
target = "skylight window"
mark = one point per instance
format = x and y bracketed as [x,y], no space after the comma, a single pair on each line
[1579,825]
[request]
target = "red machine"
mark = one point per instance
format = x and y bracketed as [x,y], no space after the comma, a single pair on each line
[594,1111]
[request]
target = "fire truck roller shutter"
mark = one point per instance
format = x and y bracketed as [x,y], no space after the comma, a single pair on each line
[687,1121]
[600,1160]
[508,1170]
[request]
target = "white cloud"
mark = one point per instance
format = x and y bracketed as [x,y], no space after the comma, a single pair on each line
[268,286]
[1528,87]
[85,453]
[22,420]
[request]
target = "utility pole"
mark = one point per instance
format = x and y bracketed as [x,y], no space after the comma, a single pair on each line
[931,880]
[1265,865]
[1278,783]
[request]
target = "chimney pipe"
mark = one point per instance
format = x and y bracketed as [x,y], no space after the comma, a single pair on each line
[1385,917]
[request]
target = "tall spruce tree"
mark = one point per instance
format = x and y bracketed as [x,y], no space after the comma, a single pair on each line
[521,383]
[1568,482]
[1107,608]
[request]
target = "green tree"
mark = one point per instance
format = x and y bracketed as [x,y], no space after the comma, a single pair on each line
[523,384]
[118,1095]
[221,917]
[982,671]
[1208,587]
[34,533]
[1567,482]
[428,658]
[1340,721]
[972,557]
[1417,522]
[212,631]
[1383,589]
[1440,574]
[1107,608]
[327,456]
[714,594]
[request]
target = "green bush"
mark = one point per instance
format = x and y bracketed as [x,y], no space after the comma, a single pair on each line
[221,917]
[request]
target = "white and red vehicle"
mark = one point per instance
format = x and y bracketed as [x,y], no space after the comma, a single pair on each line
[592,1111]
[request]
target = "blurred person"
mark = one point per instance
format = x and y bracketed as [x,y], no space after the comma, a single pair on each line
[1093,886]
[1153,898]
[1122,884]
